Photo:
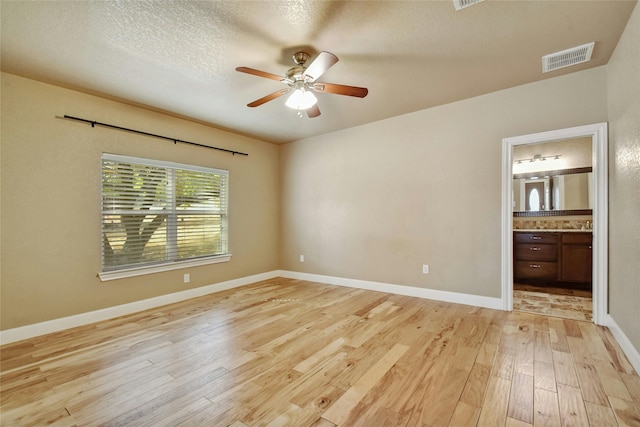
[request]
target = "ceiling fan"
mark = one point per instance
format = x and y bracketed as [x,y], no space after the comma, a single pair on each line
[302,82]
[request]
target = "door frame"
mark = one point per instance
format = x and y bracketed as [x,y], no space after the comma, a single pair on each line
[598,133]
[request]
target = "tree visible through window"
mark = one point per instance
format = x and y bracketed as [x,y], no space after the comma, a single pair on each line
[159,212]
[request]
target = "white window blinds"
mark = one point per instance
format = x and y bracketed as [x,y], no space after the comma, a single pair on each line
[156,213]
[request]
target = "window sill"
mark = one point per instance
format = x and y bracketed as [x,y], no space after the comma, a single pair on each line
[140,271]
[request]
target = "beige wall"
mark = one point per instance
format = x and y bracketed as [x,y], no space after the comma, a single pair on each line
[623,80]
[51,197]
[576,191]
[377,201]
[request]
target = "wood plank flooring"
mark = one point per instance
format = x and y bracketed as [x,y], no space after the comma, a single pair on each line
[291,353]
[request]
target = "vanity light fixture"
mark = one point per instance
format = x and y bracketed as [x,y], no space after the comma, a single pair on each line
[539,158]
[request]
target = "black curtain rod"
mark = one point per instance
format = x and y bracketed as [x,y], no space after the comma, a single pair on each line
[139,132]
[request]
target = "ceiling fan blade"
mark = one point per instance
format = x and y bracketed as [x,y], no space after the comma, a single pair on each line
[261,73]
[268,98]
[360,92]
[313,111]
[320,65]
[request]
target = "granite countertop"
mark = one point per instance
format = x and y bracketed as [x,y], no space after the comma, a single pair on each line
[553,230]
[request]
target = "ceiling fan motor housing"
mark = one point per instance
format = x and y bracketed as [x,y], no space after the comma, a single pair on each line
[300,58]
[295,73]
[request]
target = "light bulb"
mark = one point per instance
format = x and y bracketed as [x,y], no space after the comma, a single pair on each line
[301,100]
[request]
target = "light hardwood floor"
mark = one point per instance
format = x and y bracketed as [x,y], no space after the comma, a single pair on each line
[287,352]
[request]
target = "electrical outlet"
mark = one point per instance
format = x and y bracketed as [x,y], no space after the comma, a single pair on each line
[187,277]
[425,268]
[301,258]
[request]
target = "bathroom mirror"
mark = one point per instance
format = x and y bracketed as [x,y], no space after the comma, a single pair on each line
[562,192]
[553,178]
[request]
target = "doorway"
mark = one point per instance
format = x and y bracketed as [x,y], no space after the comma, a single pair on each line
[598,134]
[533,196]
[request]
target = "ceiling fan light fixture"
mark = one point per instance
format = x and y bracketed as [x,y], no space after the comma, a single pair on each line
[301,100]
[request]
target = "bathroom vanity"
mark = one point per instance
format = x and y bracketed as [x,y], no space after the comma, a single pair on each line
[554,258]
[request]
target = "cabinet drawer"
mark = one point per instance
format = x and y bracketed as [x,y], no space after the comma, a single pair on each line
[536,237]
[536,270]
[577,238]
[536,252]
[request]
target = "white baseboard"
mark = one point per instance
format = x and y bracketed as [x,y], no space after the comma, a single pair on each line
[479,301]
[55,325]
[627,347]
[37,329]
[455,297]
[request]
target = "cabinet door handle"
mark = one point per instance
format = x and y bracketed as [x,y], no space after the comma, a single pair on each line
[536,237]
[535,249]
[534,265]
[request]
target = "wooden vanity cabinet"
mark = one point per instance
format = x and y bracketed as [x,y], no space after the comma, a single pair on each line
[577,258]
[553,259]
[535,256]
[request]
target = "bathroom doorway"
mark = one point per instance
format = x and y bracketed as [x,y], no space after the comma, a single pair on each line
[598,135]
[552,213]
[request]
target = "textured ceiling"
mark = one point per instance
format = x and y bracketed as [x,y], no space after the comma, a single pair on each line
[180,56]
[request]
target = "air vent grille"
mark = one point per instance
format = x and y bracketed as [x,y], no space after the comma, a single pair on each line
[566,58]
[461,4]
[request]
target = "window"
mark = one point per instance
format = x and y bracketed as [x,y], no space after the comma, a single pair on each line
[159,215]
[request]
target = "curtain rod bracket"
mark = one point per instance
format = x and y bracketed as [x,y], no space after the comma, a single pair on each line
[139,132]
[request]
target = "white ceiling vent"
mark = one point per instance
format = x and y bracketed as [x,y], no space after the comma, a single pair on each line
[461,4]
[566,58]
